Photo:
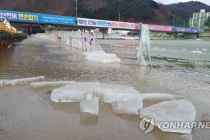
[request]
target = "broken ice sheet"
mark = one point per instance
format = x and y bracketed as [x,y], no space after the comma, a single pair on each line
[154,98]
[160,97]
[129,104]
[93,53]
[74,92]
[90,106]
[111,92]
[103,58]
[173,112]
[47,84]
[22,81]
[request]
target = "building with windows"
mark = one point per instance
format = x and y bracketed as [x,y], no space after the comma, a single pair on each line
[199,19]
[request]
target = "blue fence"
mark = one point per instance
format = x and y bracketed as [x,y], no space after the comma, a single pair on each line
[185,30]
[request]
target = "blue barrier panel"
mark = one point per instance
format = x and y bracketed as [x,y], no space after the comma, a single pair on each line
[37,18]
[185,30]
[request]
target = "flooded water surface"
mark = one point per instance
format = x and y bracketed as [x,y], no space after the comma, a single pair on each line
[30,114]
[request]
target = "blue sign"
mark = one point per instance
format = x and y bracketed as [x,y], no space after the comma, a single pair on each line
[37,18]
[185,30]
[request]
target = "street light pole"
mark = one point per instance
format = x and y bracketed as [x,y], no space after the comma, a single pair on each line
[174,19]
[119,16]
[76,9]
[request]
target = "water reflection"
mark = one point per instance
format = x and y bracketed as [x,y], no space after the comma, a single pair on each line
[88,119]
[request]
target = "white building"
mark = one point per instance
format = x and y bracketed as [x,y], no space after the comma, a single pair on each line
[199,19]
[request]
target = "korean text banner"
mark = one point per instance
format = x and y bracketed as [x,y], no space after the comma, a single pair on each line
[37,18]
[104,23]
[160,28]
[185,30]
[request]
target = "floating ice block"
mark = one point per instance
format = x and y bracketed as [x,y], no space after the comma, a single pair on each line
[24,80]
[111,92]
[93,53]
[129,104]
[74,92]
[171,112]
[160,97]
[103,58]
[49,84]
[90,106]
[102,55]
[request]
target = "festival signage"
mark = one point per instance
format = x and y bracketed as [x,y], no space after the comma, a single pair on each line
[160,28]
[185,30]
[94,22]
[37,18]
[105,23]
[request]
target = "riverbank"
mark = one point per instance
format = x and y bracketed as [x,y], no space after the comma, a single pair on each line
[8,43]
[7,39]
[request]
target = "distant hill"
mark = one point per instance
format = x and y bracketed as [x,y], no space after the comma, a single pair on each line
[180,11]
[192,6]
[146,11]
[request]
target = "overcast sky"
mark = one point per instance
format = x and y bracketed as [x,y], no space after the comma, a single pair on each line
[207,2]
